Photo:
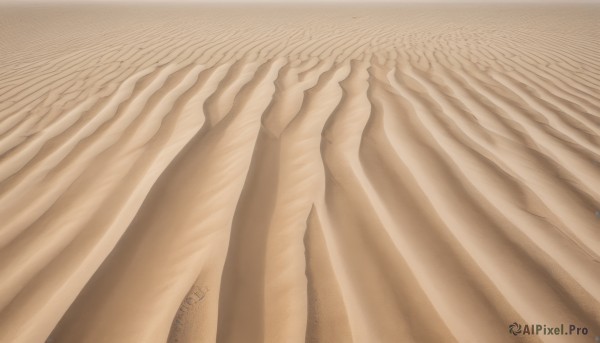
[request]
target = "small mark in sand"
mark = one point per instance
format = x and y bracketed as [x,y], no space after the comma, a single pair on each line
[195,296]
[598,214]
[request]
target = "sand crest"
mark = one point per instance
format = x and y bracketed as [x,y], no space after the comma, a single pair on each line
[278,174]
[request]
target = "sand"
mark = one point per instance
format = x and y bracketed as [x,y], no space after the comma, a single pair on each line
[278,174]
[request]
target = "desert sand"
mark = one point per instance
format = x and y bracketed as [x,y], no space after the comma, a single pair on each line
[298,174]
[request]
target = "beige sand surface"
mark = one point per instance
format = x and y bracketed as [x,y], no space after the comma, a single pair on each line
[271,174]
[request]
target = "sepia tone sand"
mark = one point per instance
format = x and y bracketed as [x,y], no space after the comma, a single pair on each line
[298,174]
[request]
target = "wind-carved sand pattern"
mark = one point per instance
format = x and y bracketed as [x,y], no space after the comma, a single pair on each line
[391,174]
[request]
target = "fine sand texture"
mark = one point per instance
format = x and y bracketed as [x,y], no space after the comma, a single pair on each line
[298,174]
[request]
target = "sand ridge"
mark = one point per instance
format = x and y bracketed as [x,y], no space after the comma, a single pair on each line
[273,174]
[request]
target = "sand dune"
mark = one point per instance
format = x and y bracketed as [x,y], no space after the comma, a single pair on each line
[233,174]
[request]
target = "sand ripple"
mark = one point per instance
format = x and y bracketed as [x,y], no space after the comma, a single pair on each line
[413,174]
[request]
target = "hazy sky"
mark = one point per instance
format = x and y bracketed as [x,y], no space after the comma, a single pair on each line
[304,1]
[301,1]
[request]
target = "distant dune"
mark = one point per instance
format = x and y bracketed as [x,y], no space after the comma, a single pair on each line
[271,174]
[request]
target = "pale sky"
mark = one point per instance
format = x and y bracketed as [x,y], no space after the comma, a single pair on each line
[595,2]
[302,1]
